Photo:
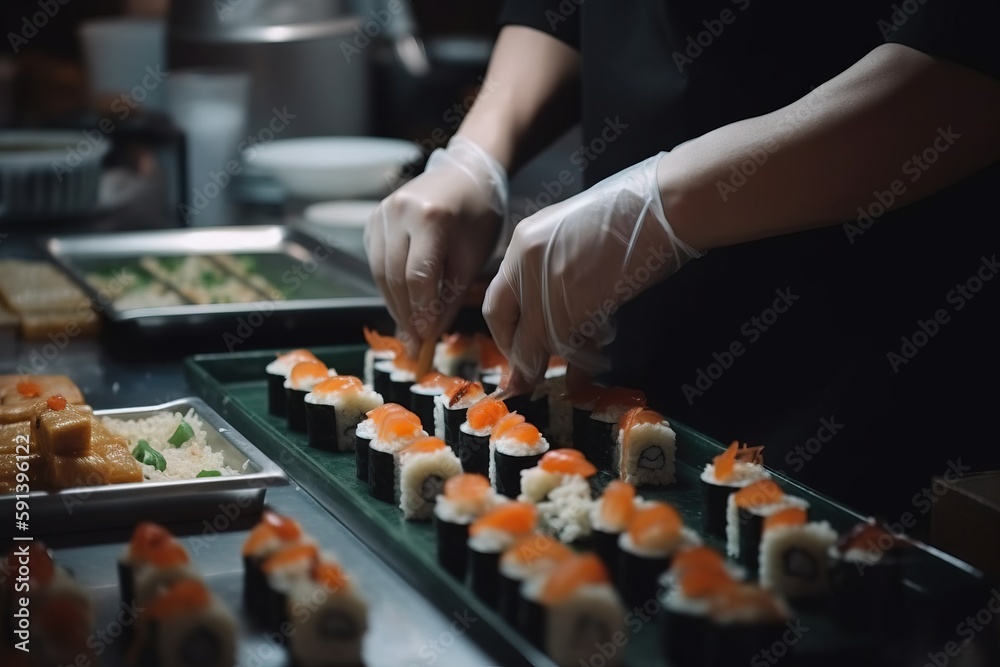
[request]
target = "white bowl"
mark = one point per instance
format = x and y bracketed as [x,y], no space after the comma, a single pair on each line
[334,167]
[344,214]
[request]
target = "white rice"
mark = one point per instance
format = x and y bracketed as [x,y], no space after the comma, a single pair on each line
[281,366]
[566,514]
[744,474]
[184,462]
[400,375]
[491,541]
[416,495]
[452,512]
[537,483]
[597,519]
[650,456]
[309,383]
[733,518]
[439,403]
[793,559]
[366,429]
[482,432]
[426,390]
[685,540]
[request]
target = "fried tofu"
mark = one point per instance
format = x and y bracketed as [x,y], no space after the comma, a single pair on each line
[16,406]
[65,432]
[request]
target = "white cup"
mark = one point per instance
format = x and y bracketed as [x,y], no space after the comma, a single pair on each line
[210,108]
[126,56]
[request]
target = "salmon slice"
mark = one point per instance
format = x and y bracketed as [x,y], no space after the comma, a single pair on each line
[486,413]
[569,576]
[700,557]
[467,487]
[380,343]
[382,412]
[614,397]
[655,527]
[531,549]
[567,462]
[515,518]
[698,582]
[306,372]
[295,356]
[424,446]
[438,381]
[525,433]
[792,516]
[461,390]
[187,595]
[339,384]
[637,416]
[506,423]
[758,494]
[395,427]
[618,503]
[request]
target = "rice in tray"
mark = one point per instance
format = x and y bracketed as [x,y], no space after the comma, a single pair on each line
[182,462]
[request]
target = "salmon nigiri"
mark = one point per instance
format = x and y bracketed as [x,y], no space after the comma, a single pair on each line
[511,518]
[615,507]
[484,414]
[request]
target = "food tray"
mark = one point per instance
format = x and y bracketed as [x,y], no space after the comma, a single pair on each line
[937,584]
[315,278]
[114,505]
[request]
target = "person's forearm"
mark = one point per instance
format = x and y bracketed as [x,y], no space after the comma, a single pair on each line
[814,162]
[528,96]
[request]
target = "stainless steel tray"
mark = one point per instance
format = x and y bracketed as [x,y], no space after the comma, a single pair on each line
[319,276]
[122,505]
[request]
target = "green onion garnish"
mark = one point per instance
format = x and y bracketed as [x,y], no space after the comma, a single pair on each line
[183,433]
[146,455]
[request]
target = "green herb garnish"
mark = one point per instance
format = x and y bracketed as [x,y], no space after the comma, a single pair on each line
[146,455]
[209,473]
[183,433]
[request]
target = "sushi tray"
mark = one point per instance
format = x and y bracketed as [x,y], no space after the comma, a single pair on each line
[163,281]
[934,589]
[249,475]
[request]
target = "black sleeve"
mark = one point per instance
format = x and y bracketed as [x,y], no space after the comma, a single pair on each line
[559,18]
[960,30]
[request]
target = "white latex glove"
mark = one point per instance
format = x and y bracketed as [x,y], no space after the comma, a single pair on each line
[428,240]
[570,266]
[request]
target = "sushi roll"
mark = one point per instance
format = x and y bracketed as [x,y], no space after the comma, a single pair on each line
[560,426]
[396,431]
[456,355]
[645,449]
[489,535]
[329,619]
[152,560]
[534,406]
[530,556]
[334,408]
[380,349]
[450,409]
[277,372]
[184,625]
[282,571]
[559,486]
[474,434]
[655,533]
[609,517]
[794,554]
[867,566]
[304,376]
[424,466]
[367,430]
[596,433]
[573,609]
[730,471]
[466,497]
[515,445]
[422,395]
[273,534]
[746,511]
[401,377]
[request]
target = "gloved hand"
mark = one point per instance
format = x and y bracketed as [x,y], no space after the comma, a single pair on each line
[429,239]
[570,266]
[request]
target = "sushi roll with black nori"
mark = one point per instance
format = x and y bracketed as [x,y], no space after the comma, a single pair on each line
[422,395]
[655,533]
[304,376]
[401,378]
[489,535]
[474,434]
[559,486]
[794,554]
[184,625]
[866,578]
[424,466]
[572,610]
[380,349]
[450,409]
[534,406]
[609,517]
[382,378]
[152,560]
[273,534]
[396,431]
[282,571]
[328,619]
[746,511]
[530,556]
[730,471]
[456,355]
[334,408]
[645,450]
[367,430]
[466,497]
[277,372]
[596,433]
[515,445]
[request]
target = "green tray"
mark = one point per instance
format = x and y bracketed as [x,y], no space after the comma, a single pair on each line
[235,385]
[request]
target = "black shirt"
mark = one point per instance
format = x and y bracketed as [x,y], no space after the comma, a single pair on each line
[860,356]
